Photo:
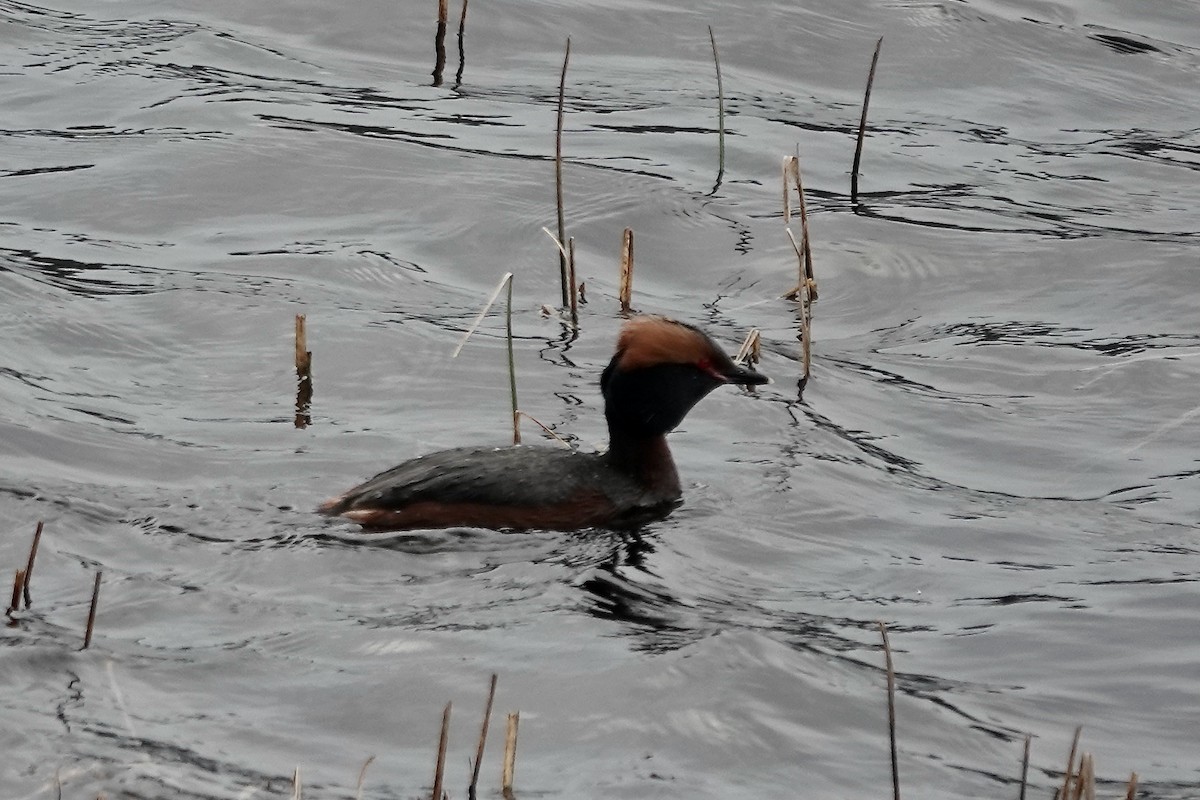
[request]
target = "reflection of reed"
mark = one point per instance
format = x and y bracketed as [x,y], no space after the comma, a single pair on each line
[304,386]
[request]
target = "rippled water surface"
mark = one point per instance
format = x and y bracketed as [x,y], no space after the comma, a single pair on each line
[997,453]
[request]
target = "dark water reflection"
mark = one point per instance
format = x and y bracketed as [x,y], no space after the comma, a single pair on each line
[996,452]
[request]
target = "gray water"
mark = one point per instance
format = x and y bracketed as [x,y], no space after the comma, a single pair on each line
[996,454]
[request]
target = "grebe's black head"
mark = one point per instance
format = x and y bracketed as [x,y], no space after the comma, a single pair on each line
[660,370]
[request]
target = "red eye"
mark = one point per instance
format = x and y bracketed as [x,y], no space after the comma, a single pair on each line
[705,365]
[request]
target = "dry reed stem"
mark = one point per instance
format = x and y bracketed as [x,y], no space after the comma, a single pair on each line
[805,242]
[791,173]
[1070,764]
[512,367]
[804,295]
[483,730]
[482,313]
[1131,790]
[439,42]
[720,110]
[787,189]
[303,356]
[510,755]
[362,777]
[751,348]
[91,620]
[297,789]
[862,124]
[1025,768]
[545,428]
[33,549]
[443,739]
[1087,790]
[558,172]
[625,291]
[572,281]
[304,388]
[891,696]
[18,584]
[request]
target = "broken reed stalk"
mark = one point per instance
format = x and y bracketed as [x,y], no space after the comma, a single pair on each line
[804,296]
[558,176]
[18,584]
[720,110]
[439,42]
[751,349]
[304,388]
[362,777]
[891,689]
[506,279]
[91,620]
[297,787]
[33,549]
[573,285]
[487,716]
[862,124]
[545,428]
[1025,768]
[805,242]
[443,739]
[510,755]
[512,367]
[303,356]
[1131,791]
[625,291]
[1085,785]
[1070,764]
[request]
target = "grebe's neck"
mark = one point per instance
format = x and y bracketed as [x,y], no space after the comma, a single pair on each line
[645,458]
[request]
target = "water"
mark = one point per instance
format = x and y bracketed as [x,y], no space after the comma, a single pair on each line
[996,454]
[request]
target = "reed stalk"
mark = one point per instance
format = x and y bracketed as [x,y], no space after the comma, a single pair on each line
[443,740]
[1131,789]
[805,242]
[625,291]
[483,730]
[1070,764]
[462,52]
[297,787]
[510,755]
[18,584]
[505,280]
[91,619]
[573,284]
[751,349]
[1025,768]
[439,42]
[891,697]
[362,777]
[720,111]
[862,124]
[512,366]
[558,172]
[304,387]
[33,550]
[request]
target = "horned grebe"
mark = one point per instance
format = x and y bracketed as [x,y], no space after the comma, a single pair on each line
[660,370]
